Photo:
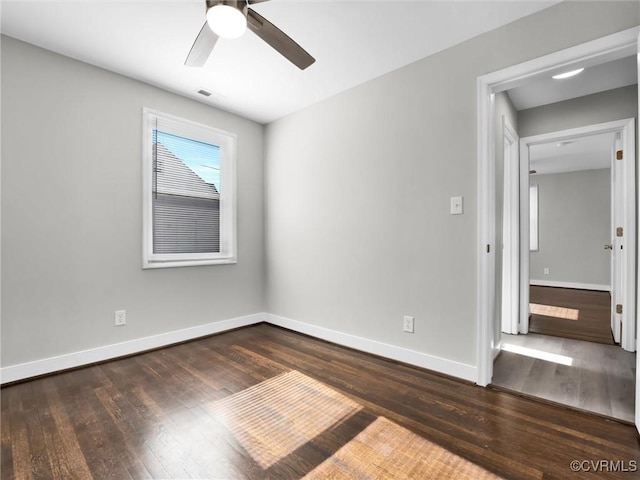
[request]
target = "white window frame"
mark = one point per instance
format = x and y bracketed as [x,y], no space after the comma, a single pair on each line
[227,143]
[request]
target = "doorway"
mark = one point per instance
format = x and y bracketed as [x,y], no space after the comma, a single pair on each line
[566,248]
[571,220]
[568,355]
[596,52]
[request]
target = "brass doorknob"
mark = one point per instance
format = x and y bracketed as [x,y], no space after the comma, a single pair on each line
[608,247]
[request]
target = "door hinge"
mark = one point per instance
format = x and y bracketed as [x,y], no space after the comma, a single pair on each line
[619,154]
[619,231]
[619,308]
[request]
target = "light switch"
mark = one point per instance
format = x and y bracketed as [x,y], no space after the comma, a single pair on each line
[456,205]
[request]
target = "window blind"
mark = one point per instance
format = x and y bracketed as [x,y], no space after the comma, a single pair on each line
[185,190]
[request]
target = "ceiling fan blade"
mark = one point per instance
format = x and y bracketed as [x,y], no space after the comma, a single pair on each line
[279,40]
[202,47]
[251,2]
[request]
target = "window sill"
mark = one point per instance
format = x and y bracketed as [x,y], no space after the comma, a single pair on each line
[146,265]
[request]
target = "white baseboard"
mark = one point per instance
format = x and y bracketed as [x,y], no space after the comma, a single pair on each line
[85,357]
[423,360]
[45,366]
[581,286]
[497,349]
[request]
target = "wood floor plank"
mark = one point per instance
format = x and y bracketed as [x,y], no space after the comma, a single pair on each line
[149,416]
[161,440]
[6,419]
[595,394]
[133,433]
[512,369]
[21,451]
[97,441]
[39,457]
[127,440]
[68,460]
[565,386]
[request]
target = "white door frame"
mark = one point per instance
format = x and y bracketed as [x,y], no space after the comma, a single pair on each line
[510,236]
[608,48]
[626,129]
[638,283]
[617,211]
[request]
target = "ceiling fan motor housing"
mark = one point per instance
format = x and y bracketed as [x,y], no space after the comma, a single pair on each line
[238,4]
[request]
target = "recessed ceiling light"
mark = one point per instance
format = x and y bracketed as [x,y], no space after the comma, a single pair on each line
[572,73]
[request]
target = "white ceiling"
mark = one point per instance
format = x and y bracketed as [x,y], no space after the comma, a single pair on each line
[352,41]
[580,153]
[597,78]
[585,153]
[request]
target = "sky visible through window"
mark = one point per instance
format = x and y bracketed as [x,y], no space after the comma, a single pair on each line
[202,158]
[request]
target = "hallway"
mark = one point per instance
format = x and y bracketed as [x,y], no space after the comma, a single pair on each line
[590,376]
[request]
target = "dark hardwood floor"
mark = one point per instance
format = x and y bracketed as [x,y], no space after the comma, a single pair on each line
[571,313]
[160,415]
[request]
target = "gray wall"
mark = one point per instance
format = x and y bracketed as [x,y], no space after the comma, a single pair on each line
[608,106]
[358,186]
[575,224]
[71,212]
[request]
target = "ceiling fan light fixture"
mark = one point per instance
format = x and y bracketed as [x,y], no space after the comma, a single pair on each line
[226,21]
[570,74]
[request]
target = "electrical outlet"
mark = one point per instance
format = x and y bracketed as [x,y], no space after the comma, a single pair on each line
[408,324]
[120,318]
[546,271]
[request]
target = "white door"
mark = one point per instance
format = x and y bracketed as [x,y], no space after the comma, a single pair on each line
[625,237]
[525,234]
[510,235]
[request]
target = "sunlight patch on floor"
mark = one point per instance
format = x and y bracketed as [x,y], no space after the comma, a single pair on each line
[275,417]
[553,311]
[539,354]
[387,450]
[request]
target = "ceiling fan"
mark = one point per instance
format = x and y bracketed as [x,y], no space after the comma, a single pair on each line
[229,19]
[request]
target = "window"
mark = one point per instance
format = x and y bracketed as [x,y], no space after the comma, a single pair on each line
[189,212]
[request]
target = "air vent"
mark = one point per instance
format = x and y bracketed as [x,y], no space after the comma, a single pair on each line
[204,92]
